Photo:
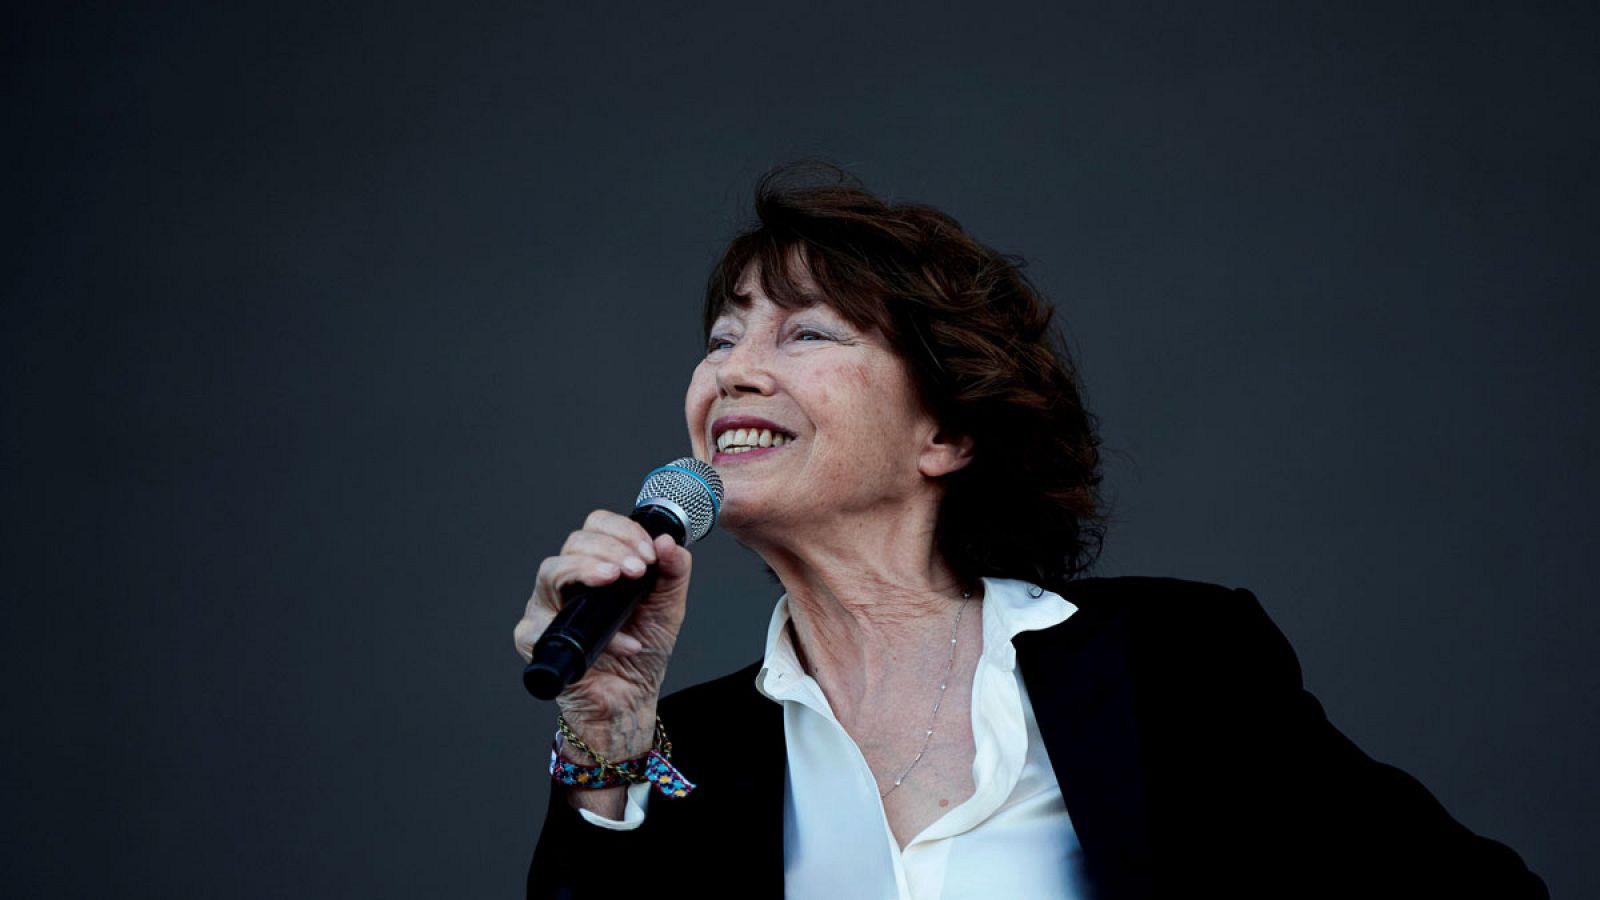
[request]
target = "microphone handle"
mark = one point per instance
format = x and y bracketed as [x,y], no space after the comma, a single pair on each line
[590,616]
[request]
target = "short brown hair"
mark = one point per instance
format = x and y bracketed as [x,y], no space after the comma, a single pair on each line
[977,338]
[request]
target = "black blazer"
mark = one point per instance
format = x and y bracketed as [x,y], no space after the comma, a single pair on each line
[1188,753]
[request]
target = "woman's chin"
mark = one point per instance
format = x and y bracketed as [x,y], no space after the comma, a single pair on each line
[735,515]
[747,517]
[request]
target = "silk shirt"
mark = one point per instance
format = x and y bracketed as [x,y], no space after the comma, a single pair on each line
[1012,838]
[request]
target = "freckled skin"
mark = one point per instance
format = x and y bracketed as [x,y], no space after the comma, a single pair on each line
[860,428]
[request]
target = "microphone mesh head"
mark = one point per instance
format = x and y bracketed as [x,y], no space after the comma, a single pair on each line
[690,485]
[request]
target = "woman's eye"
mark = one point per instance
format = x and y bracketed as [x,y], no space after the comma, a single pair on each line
[808,334]
[717,343]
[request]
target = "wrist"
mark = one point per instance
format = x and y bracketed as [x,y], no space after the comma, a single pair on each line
[613,739]
[581,755]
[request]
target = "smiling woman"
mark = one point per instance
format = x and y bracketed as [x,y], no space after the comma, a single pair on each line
[968,330]
[947,706]
[846,433]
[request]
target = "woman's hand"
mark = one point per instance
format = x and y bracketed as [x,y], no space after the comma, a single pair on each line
[613,706]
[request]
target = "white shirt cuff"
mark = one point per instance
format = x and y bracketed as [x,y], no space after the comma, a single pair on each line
[632,813]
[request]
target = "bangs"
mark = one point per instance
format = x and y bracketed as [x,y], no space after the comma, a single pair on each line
[795,274]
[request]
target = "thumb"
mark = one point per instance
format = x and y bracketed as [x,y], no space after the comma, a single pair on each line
[672,561]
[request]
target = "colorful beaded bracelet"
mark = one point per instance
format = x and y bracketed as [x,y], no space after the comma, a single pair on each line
[654,768]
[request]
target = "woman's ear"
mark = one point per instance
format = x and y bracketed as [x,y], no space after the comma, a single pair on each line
[945,452]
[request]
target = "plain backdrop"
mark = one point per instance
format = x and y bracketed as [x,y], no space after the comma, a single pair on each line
[323,323]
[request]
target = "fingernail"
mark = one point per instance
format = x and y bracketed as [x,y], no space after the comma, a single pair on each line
[634,565]
[647,550]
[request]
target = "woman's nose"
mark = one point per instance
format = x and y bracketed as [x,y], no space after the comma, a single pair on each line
[745,370]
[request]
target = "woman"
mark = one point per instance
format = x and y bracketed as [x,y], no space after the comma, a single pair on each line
[945,706]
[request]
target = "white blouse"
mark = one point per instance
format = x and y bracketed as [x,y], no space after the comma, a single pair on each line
[1012,838]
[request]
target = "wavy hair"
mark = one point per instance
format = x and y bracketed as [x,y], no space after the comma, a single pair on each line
[977,339]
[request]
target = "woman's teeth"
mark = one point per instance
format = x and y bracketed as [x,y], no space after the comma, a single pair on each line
[743,440]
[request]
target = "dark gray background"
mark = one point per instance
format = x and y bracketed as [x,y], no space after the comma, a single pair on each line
[323,323]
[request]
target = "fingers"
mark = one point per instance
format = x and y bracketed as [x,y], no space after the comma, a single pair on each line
[609,546]
[625,530]
[554,573]
[557,573]
[673,560]
[526,632]
[612,540]
[628,557]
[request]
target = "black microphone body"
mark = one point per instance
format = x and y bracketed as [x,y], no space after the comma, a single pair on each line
[679,499]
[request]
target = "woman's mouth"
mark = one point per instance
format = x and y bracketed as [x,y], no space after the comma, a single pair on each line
[744,440]
[752,439]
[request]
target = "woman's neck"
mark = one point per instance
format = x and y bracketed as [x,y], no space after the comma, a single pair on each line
[872,610]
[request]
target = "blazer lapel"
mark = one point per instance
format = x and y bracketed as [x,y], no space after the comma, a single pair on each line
[1080,685]
[748,758]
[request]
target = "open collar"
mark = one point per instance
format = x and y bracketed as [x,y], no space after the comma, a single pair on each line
[1079,680]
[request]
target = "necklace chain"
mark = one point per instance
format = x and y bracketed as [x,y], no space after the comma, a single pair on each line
[966,597]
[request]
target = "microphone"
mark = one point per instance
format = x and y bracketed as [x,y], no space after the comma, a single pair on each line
[682,499]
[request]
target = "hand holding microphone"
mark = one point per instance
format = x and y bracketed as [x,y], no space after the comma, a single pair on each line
[605,613]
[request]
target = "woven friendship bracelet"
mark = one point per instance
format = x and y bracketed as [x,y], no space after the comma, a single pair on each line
[654,768]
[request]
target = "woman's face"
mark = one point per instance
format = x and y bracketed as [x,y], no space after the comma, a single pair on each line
[807,417]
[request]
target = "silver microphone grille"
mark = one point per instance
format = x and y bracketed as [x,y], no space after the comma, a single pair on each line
[688,484]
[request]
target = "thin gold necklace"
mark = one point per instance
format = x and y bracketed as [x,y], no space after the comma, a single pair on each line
[966,597]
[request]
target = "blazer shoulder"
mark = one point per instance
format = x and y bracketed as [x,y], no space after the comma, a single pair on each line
[1153,595]
[1176,619]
